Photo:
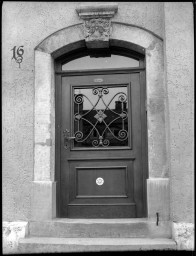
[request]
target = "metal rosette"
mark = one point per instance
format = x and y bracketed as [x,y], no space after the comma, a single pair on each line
[123,115]
[77,117]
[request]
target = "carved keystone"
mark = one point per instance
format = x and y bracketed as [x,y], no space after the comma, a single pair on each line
[97,24]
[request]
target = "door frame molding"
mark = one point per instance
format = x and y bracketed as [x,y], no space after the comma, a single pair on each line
[43,195]
[59,75]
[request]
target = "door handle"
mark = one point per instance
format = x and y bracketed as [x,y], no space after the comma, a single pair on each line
[71,138]
[67,138]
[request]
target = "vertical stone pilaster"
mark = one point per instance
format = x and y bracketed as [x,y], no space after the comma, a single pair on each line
[43,199]
[43,194]
[156,101]
[158,198]
[42,122]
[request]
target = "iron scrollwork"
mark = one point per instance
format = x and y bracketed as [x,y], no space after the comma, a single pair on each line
[101,120]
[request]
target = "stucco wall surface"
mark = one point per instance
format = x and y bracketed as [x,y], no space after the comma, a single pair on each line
[183,234]
[179,63]
[148,15]
[27,24]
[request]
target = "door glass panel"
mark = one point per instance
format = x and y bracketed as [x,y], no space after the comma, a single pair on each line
[115,61]
[100,116]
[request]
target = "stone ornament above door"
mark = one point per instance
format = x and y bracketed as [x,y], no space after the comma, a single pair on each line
[97,24]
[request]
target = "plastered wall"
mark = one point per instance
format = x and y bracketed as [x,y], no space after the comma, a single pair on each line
[27,24]
[179,68]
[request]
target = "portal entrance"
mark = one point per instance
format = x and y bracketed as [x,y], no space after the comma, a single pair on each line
[101,135]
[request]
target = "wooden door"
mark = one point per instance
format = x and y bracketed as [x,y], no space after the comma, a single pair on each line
[101,169]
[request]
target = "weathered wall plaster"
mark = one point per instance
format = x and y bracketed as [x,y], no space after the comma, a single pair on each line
[183,234]
[12,232]
[179,64]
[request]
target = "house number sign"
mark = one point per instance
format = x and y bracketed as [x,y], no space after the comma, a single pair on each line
[17,54]
[99,181]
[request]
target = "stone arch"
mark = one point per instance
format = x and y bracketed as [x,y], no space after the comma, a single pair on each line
[66,40]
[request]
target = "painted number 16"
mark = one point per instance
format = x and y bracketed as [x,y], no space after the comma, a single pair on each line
[17,54]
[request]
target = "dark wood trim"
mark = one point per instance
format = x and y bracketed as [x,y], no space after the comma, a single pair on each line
[113,49]
[142,63]
[144,137]
[131,117]
[104,196]
[98,71]
[77,204]
[127,47]
[103,167]
[101,158]
[57,140]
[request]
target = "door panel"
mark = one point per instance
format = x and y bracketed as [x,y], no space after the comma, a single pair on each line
[99,175]
[101,163]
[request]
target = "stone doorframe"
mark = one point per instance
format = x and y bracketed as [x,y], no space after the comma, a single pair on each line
[43,201]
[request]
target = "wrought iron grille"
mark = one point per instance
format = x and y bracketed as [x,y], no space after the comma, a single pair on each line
[101,116]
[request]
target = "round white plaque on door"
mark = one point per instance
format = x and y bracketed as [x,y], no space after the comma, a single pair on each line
[99,181]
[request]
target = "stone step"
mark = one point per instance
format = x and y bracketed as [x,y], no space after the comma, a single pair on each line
[53,244]
[104,228]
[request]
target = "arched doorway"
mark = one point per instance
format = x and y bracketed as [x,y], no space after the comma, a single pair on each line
[101,134]
[66,41]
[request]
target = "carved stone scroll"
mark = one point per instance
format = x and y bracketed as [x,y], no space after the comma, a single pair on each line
[97,24]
